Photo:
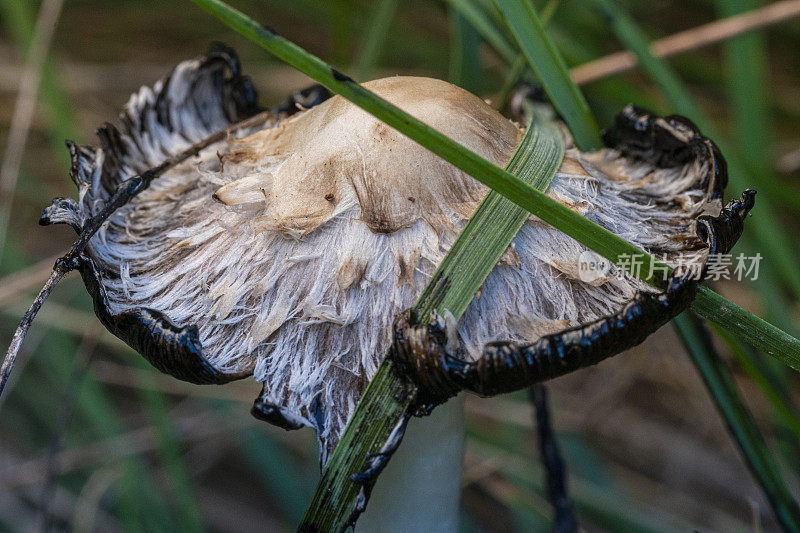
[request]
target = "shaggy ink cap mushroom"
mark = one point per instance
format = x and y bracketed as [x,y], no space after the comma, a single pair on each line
[287,251]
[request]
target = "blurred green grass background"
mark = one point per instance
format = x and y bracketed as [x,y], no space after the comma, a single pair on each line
[91,438]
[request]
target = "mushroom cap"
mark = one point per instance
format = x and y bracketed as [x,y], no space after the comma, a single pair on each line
[287,252]
[303,168]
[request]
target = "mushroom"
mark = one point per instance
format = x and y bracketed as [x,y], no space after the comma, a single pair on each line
[286,250]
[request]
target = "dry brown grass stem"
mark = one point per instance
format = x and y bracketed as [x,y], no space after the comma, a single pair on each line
[25,107]
[688,40]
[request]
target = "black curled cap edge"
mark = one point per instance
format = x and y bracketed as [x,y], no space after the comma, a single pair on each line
[675,140]
[304,99]
[171,349]
[235,88]
[274,414]
[525,92]
[667,142]
[174,350]
[62,211]
[720,233]
[233,97]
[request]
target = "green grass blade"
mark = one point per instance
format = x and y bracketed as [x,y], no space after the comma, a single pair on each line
[475,16]
[280,473]
[747,326]
[745,60]
[475,252]
[551,70]
[491,228]
[656,69]
[513,77]
[740,424]
[520,65]
[465,59]
[139,498]
[745,67]
[178,477]
[377,31]
[384,403]
[783,409]
[548,11]
[18,19]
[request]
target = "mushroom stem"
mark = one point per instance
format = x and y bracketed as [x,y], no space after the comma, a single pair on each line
[419,490]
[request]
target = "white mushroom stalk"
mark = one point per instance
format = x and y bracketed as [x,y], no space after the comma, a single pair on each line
[288,253]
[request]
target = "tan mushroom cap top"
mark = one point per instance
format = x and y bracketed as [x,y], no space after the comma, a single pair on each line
[337,152]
